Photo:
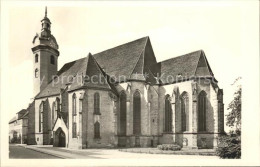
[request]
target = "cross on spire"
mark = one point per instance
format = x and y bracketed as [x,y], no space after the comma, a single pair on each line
[45,11]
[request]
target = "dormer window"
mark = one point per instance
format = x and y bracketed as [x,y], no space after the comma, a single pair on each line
[52,60]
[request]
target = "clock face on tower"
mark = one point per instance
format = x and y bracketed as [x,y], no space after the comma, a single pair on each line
[53,43]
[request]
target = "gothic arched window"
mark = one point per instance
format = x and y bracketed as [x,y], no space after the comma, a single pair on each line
[53,115]
[137,113]
[97,130]
[36,58]
[185,111]
[41,117]
[58,104]
[36,73]
[55,110]
[202,107]
[52,60]
[97,104]
[74,115]
[167,114]
[122,113]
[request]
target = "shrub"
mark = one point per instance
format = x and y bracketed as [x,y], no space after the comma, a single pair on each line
[170,147]
[229,147]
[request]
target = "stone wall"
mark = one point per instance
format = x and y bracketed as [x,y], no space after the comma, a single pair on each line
[31,124]
[106,119]
[45,136]
[152,116]
[214,115]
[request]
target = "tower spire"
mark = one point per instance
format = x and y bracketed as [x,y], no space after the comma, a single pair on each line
[45,11]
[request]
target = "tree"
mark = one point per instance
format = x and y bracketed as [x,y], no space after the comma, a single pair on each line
[234,116]
[230,144]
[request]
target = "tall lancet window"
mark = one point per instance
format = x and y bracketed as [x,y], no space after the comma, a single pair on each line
[58,104]
[97,130]
[53,115]
[97,104]
[167,114]
[122,114]
[137,113]
[41,117]
[74,116]
[55,110]
[185,111]
[202,106]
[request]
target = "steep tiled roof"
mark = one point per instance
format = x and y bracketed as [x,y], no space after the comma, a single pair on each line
[118,61]
[183,67]
[133,59]
[122,60]
[73,73]
[64,77]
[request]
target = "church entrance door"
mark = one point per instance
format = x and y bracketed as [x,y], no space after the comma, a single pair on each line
[60,138]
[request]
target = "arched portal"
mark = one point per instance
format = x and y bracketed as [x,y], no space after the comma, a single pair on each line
[60,138]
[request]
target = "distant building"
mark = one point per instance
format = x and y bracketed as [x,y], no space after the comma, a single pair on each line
[18,127]
[139,103]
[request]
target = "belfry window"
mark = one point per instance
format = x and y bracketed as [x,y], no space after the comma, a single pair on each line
[185,111]
[74,115]
[167,114]
[36,73]
[52,60]
[97,130]
[202,106]
[36,58]
[97,104]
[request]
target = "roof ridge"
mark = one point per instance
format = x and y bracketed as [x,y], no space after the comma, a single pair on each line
[194,73]
[208,66]
[122,45]
[104,75]
[206,61]
[99,68]
[181,55]
[147,37]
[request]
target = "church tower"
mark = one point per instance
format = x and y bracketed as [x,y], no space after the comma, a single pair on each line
[45,56]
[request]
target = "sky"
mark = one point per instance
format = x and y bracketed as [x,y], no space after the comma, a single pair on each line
[225,30]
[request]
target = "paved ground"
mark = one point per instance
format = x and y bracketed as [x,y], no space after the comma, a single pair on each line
[202,152]
[105,153]
[19,152]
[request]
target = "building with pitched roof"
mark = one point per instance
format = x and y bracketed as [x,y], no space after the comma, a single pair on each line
[123,97]
[18,127]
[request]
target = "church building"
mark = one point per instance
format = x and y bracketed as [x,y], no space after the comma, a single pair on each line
[123,97]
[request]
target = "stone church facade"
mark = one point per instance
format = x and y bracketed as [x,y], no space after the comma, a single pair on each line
[123,97]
